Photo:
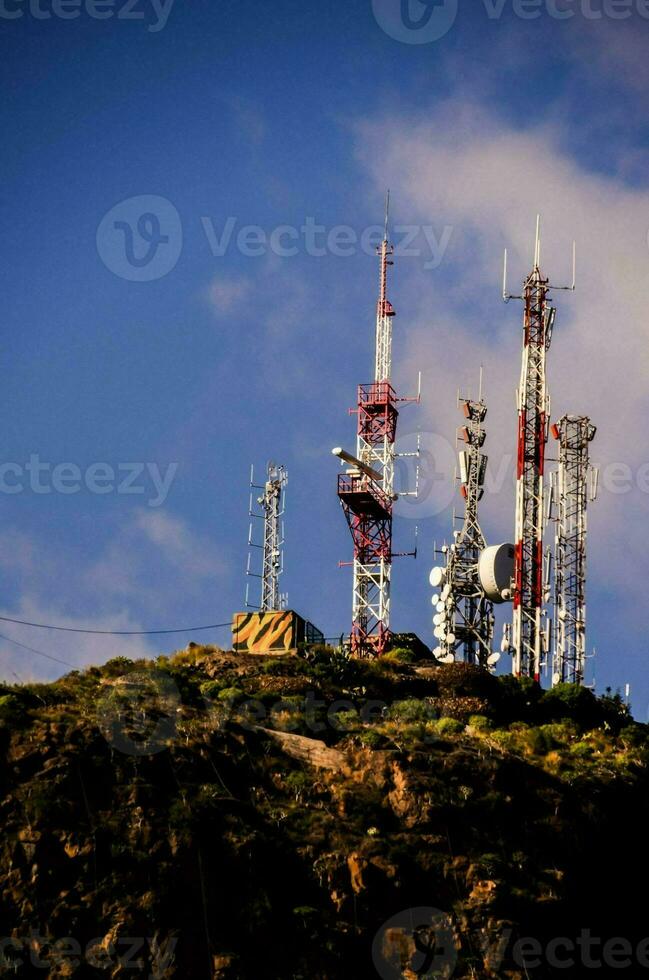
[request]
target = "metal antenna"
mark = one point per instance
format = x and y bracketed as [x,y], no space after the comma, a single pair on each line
[366,491]
[574,480]
[464,620]
[537,247]
[528,638]
[271,503]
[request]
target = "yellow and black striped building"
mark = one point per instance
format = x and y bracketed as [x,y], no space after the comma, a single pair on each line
[272,632]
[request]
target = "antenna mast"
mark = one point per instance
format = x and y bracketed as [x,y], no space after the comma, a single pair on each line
[366,491]
[575,482]
[464,620]
[528,639]
[271,502]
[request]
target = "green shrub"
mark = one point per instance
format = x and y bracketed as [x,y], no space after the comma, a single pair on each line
[539,740]
[411,711]
[10,708]
[299,784]
[400,655]
[230,694]
[480,723]
[582,750]
[571,701]
[372,739]
[210,689]
[516,698]
[345,721]
[449,726]
[460,680]
[117,667]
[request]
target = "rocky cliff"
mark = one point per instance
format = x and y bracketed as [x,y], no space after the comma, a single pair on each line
[207,816]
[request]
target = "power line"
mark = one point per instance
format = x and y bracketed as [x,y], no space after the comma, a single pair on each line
[71,629]
[39,652]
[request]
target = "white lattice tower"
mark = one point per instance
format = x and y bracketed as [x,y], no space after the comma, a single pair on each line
[465,616]
[574,485]
[271,504]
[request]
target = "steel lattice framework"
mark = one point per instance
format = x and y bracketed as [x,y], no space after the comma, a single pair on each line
[528,637]
[271,503]
[573,488]
[466,616]
[533,413]
[367,494]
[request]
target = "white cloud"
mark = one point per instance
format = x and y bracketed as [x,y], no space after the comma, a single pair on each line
[465,167]
[226,295]
[54,653]
[178,544]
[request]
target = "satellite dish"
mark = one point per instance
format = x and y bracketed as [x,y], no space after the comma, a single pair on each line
[438,633]
[493,659]
[437,619]
[440,607]
[450,639]
[437,577]
[556,679]
[563,615]
[504,645]
[446,591]
[435,599]
[448,659]
[496,570]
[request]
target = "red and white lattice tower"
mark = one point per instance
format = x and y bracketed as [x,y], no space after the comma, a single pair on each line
[366,490]
[528,635]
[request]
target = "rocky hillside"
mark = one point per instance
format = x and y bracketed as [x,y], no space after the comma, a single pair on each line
[213,816]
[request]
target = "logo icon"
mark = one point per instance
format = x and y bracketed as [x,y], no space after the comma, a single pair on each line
[415,21]
[141,238]
[415,943]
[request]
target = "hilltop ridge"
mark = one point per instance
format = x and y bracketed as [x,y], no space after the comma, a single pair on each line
[218,815]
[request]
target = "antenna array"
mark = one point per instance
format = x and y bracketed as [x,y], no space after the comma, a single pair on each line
[272,504]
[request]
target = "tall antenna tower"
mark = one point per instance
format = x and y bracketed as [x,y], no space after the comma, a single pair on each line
[271,502]
[574,483]
[529,639]
[464,619]
[366,491]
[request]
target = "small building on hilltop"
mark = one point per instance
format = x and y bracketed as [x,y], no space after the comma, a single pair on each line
[276,632]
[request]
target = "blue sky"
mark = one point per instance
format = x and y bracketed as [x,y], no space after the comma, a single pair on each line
[274,115]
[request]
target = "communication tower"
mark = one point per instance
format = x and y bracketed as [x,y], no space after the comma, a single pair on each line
[574,484]
[366,490]
[529,640]
[464,617]
[271,503]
